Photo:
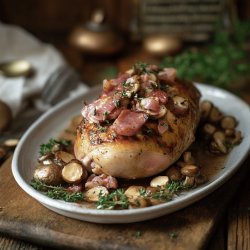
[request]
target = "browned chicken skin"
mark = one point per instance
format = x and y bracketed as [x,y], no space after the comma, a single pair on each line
[141,124]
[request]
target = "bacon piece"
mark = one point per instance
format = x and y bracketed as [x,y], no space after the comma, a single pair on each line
[129,123]
[167,75]
[101,180]
[99,110]
[151,103]
[163,97]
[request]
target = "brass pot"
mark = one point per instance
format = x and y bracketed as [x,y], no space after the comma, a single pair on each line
[96,37]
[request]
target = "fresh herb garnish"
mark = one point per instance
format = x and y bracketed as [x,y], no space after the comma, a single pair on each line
[141,68]
[57,192]
[115,199]
[117,103]
[47,148]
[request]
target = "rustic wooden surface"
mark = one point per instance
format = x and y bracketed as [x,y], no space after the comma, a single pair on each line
[24,218]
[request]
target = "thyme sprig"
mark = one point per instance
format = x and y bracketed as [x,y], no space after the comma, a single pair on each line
[57,192]
[115,199]
[48,147]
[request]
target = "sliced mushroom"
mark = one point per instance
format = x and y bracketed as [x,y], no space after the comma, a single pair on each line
[11,143]
[205,108]
[48,174]
[74,172]
[46,159]
[93,194]
[228,122]
[64,156]
[159,181]
[135,197]
[131,85]
[180,105]
[174,173]
[190,170]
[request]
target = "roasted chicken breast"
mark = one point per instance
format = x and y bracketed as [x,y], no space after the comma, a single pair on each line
[141,123]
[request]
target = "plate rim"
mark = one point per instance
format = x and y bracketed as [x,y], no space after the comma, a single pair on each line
[174,205]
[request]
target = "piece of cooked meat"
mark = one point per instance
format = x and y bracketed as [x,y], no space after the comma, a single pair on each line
[141,124]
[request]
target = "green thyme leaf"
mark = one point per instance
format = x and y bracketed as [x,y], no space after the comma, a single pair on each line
[57,192]
[47,148]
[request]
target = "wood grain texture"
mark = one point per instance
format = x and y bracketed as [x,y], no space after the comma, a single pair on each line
[24,218]
[239,220]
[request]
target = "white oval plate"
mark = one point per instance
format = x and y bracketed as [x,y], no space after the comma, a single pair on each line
[51,123]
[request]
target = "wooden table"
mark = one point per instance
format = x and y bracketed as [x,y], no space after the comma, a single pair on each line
[220,221]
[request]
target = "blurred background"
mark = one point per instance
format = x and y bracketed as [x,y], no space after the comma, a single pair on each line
[112,35]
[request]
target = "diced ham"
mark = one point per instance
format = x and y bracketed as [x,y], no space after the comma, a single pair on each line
[99,110]
[101,180]
[151,103]
[167,75]
[163,97]
[129,122]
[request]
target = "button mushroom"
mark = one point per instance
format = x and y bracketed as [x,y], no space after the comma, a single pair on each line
[159,181]
[93,194]
[48,174]
[205,108]
[190,170]
[174,173]
[135,197]
[228,122]
[74,172]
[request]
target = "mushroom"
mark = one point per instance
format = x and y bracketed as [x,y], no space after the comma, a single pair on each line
[228,122]
[64,156]
[48,174]
[188,158]
[93,194]
[219,142]
[205,108]
[180,105]
[174,173]
[237,138]
[134,196]
[208,130]
[189,181]
[190,170]
[74,172]
[46,159]
[215,115]
[131,86]
[159,181]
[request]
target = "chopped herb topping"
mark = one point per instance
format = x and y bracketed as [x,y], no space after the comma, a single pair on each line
[141,68]
[117,103]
